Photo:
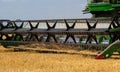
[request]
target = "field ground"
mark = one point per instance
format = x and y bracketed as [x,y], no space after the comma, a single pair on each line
[70,61]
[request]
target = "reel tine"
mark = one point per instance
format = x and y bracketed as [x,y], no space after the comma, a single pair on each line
[66,39]
[1,25]
[88,38]
[88,24]
[22,24]
[37,25]
[48,25]
[94,26]
[73,39]
[67,25]
[95,39]
[36,36]
[74,24]
[48,38]
[114,25]
[16,27]
[31,25]
[54,38]
[54,24]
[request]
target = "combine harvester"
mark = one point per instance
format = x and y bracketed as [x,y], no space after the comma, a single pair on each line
[96,32]
[107,8]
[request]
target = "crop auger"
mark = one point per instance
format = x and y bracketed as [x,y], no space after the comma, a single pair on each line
[96,33]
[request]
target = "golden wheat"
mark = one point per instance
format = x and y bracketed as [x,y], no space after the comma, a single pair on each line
[41,62]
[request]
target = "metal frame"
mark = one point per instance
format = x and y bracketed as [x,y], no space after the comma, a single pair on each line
[17,29]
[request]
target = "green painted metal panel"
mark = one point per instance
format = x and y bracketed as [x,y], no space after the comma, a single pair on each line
[100,7]
[115,46]
[93,7]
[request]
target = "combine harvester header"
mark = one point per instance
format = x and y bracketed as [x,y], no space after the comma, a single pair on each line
[83,32]
[99,33]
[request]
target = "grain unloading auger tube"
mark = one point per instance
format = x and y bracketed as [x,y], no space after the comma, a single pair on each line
[84,32]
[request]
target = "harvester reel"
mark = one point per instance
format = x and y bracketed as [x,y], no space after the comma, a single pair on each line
[83,32]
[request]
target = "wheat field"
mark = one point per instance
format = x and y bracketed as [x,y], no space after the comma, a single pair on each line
[73,61]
